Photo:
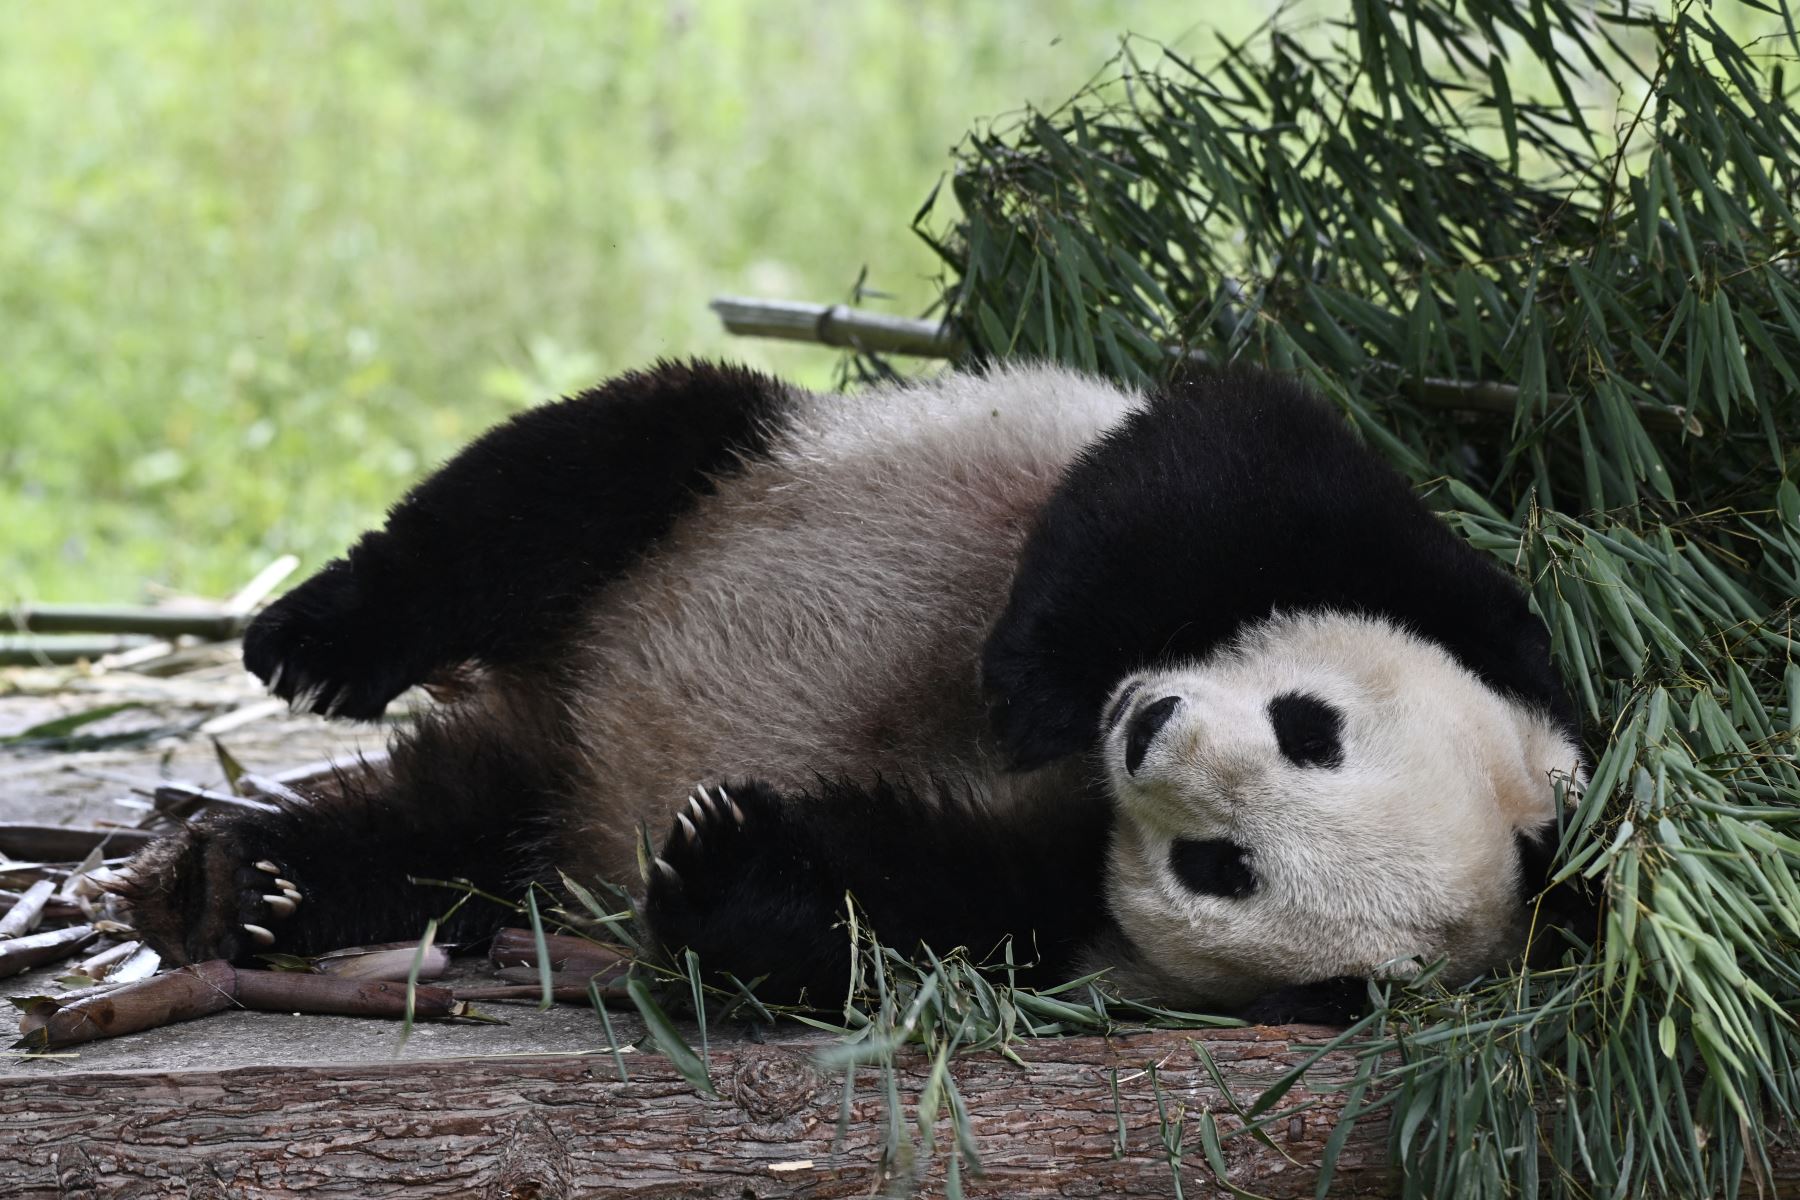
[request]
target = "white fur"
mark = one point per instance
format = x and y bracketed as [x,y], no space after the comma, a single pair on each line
[1404,851]
[825,611]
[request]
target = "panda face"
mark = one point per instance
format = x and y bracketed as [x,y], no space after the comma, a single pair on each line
[1327,790]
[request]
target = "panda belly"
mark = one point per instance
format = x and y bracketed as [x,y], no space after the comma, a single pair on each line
[822,613]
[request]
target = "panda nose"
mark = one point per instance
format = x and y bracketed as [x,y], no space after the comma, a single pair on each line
[1143,730]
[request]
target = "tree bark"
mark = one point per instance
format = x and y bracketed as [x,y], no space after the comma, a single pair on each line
[549,1127]
[565,1126]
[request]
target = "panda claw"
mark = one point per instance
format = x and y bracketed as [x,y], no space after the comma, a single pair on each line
[669,874]
[292,893]
[737,814]
[284,885]
[687,827]
[280,905]
[266,866]
[261,936]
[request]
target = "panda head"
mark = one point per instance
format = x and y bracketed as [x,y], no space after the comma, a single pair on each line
[1323,795]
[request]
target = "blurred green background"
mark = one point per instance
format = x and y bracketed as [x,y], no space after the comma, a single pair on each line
[263,264]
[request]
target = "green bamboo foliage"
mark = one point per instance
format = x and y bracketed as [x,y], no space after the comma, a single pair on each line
[1577,327]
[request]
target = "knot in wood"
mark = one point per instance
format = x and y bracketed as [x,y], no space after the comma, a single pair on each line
[773,1085]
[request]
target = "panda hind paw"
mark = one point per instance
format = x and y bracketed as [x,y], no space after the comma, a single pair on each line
[204,893]
[323,649]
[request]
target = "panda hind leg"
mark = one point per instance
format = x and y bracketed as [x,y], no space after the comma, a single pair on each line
[455,802]
[488,559]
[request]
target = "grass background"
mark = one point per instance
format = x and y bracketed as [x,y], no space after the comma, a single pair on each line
[263,264]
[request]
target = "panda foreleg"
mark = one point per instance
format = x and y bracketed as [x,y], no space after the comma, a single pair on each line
[759,883]
[454,803]
[489,557]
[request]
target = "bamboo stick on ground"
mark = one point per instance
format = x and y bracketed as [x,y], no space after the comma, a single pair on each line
[314,772]
[27,910]
[851,328]
[564,989]
[98,966]
[388,960]
[576,955]
[209,623]
[209,987]
[178,801]
[65,843]
[30,649]
[35,949]
[265,788]
[54,909]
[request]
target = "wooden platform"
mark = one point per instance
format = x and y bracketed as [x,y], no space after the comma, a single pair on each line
[566,1125]
[265,1104]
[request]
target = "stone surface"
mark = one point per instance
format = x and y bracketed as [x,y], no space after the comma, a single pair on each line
[83,787]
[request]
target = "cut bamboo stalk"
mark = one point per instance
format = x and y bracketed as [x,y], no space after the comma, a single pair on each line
[30,649]
[836,325]
[330,768]
[850,328]
[564,989]
[261,585]
[518,948]
[178,801]
[212,624]
[54,909]
[389,960]
[64,843]
[98,966]
[209,987]
[35,949]
[27,910]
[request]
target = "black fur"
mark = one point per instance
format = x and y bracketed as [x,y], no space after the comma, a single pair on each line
[767,896]
[1340,1001]
[1184,524]
[432,812]
[1308,731]
[1144,727]
[489,557]
[1215,867]
[1560,910]
[1165,539]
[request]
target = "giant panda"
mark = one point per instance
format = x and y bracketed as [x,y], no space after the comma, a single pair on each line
[1183,684]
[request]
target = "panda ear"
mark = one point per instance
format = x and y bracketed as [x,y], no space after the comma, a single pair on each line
[1540,755]
[1548,760]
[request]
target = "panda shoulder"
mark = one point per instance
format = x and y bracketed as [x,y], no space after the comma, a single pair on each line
[1224,499]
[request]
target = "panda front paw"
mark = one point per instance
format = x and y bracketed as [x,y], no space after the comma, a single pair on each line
[736,882]
[709,857]
[323,648]
[1338,1002]
[209,892]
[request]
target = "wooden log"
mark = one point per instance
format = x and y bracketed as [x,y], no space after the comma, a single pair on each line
[564,1126]
[556,1126]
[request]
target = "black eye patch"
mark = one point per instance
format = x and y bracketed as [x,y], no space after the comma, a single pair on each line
[1308,731]
[1215,867]
[1117,711]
